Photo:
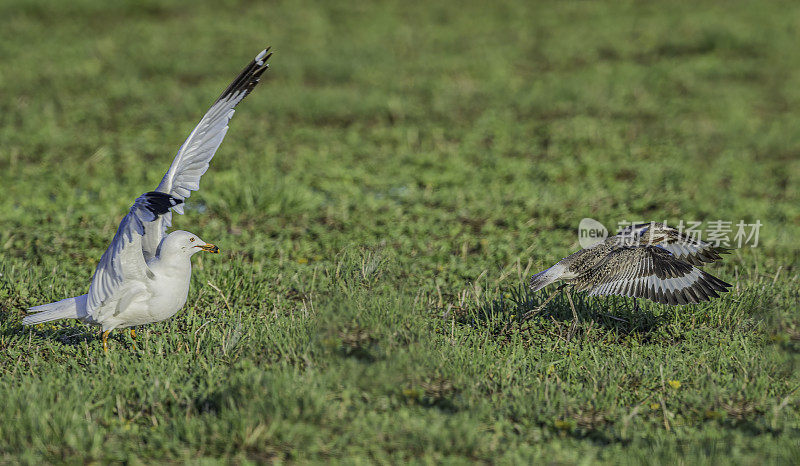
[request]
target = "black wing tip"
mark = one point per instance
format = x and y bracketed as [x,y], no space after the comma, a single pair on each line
[159,203]
[249,76]
[262,57]
[162,196]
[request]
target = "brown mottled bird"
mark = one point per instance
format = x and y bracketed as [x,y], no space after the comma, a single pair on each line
[648,260]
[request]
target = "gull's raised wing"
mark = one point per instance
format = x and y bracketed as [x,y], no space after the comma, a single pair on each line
[653,273]
[195,154]
[123,260]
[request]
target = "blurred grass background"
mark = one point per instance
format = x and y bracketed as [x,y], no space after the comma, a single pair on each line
[380,200]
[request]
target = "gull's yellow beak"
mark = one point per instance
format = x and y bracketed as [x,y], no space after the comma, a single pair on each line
[209,248]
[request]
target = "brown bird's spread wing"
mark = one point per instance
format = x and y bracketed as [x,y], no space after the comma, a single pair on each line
[650,272]
[683,246]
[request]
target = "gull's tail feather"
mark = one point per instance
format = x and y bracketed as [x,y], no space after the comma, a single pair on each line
[70,308]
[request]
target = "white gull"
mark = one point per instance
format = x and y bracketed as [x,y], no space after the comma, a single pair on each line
[143,277]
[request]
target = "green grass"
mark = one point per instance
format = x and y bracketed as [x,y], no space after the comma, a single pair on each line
[380,200]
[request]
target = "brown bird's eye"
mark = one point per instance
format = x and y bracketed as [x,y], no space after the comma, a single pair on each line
[191,239]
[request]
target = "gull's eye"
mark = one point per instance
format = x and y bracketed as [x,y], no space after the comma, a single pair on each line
[191,239]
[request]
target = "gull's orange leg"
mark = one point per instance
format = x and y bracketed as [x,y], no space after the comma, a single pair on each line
[133,333]
[105,340]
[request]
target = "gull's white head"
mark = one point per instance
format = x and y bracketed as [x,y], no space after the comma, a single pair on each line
[183,243]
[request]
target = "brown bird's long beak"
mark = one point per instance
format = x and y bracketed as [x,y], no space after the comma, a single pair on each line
[209,248]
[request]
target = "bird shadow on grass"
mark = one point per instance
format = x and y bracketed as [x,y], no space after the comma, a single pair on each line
[508,313]
[64,334]
[67,336]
